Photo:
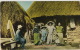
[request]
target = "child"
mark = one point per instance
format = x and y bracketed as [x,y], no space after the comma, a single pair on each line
[43,34]
[57,41]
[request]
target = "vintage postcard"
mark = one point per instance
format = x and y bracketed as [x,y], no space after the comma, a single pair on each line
[40,25]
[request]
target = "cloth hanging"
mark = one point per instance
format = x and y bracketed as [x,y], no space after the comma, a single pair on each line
[72,23]
[10,26]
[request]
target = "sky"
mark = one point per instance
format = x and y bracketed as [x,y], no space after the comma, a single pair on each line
[25,4]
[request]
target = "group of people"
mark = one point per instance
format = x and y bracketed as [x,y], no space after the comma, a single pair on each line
[45,34]
[49,33]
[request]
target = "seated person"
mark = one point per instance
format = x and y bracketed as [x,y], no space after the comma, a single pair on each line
[19,38]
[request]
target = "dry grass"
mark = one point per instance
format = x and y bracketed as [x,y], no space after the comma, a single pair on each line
[11,11]
[51,8]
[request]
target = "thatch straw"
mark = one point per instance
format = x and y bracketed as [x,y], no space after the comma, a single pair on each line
[51,8]
[14,12]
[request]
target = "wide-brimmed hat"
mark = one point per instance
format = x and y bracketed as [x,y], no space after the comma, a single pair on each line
[43,27]
[50,22]
[19,26]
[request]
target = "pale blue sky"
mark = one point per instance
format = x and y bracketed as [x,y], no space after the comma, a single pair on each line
[25,4]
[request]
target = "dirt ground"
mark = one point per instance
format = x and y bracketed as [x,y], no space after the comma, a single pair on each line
[31,46]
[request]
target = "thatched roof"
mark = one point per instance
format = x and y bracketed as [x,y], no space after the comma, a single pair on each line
[11,11]
[51,8]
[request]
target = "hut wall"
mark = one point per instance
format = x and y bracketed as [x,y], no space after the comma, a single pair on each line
[75,34]
[14,12]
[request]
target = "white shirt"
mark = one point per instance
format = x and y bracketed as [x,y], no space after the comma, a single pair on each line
[50,29]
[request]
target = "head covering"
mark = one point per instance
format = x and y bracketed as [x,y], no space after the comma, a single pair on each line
[19,26]
[43,27]
[50,22]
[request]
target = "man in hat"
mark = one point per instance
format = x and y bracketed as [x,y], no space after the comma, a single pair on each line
[19,38]
[51,28]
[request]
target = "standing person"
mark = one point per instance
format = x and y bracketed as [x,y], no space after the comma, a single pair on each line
[36,33]
[43,34]
[50,28]
[59,30]
[57,41]
[19,38]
